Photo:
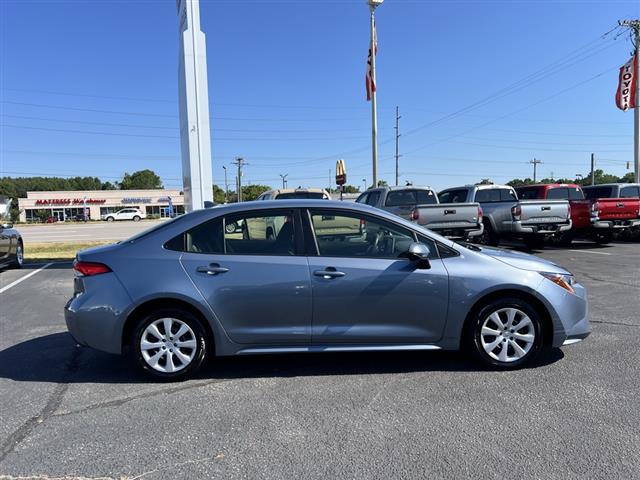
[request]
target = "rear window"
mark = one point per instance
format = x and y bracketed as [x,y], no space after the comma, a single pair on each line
[508,195]
[362,198]
[453,196]
[373,199]
[527,193]
[301,195]
[575,193]
[410,197]
[630,192]
[488,195]
[598,192]
[558,194]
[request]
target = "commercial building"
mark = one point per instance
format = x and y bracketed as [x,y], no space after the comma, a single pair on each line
[67,205]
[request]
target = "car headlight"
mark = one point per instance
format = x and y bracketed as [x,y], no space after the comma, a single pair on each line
[563,280]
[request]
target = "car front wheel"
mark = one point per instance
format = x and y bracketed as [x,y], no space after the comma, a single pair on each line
[19,260]
[136,218]
[169,344]
[506,334]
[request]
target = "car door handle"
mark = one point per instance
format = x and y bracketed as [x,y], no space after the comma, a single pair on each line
[213,269]
[329,273]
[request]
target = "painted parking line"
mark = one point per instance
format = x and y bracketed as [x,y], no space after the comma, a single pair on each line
[591,251]
[22,279]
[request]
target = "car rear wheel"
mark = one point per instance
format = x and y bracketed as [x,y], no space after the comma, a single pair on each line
[169,344]
[19,260]
[488,237]
[110,219]
[136,218]
[506,334]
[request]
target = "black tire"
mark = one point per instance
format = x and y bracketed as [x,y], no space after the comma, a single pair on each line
[17,262]
[473,339]
[179,315]
[603,238]
[534,242]
[136,218]
[489,236]
[565,239]
[110,219]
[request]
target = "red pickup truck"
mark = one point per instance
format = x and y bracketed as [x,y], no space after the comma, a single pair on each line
[592,216]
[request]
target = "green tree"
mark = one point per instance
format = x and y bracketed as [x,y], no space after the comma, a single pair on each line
[251,192]
[141,180]
[218,194]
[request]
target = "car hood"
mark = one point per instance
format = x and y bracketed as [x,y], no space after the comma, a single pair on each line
[523,261]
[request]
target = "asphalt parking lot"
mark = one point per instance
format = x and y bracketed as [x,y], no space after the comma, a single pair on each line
[68,412]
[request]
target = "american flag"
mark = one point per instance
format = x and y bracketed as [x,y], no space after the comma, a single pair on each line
[370,81]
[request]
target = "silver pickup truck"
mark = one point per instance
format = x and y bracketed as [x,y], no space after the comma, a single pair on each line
[420,205]
[506,216]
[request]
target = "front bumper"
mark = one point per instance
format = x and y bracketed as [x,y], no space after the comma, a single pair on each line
[569,312]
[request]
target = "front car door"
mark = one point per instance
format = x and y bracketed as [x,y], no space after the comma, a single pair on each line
[363,291]
[249,269]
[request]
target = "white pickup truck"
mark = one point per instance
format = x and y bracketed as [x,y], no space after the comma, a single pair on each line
[421,205]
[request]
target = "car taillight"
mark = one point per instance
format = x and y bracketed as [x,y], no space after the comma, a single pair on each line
[516,212]
[595,208]
[480,214]
[569,211]
[415,215]
[88,269]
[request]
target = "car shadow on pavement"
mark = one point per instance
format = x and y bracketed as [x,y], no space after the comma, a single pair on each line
[56,358]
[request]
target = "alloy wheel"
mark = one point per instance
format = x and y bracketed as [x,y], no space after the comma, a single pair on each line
[19,255]
[168,345]
[507,335]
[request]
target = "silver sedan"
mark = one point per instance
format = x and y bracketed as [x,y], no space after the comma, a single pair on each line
[315,276]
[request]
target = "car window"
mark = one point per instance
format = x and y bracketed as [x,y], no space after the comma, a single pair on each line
[630,192]
[373,199]
[260,233]
[301,195]
[205,238]
[488,195]
[561,193]
[340,234]
[426,197]
[401,197]
[508,195]
[598,192]
[362,198]
[453,196]
[527,193]
[575,193]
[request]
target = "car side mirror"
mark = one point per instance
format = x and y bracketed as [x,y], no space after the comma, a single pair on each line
[419,254]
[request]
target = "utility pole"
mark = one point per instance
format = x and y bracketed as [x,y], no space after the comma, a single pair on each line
[398,117]
[364,184]
[239,162]
[593,169]
[226,185]
[634,25]
[535,163]
[284,180]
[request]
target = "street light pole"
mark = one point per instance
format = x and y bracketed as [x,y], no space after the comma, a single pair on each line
[364,184]
[284,180]
[374,106]
[226,185]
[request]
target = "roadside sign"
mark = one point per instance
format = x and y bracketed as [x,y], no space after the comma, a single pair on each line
[341,173]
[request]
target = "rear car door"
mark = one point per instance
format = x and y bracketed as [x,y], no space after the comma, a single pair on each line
[249,269]
[5,242]
[363,291]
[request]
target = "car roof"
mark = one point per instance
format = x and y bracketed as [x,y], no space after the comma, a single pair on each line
[613,185]
[400,187]
[294,190]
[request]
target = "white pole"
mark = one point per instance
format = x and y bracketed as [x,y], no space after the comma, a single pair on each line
[374,107]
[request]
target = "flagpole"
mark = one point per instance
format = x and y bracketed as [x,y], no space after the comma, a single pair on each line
[374,107]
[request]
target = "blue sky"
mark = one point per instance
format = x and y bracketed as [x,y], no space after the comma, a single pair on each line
[286,80]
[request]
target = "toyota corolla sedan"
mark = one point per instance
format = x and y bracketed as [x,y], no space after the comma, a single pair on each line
[315,276]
